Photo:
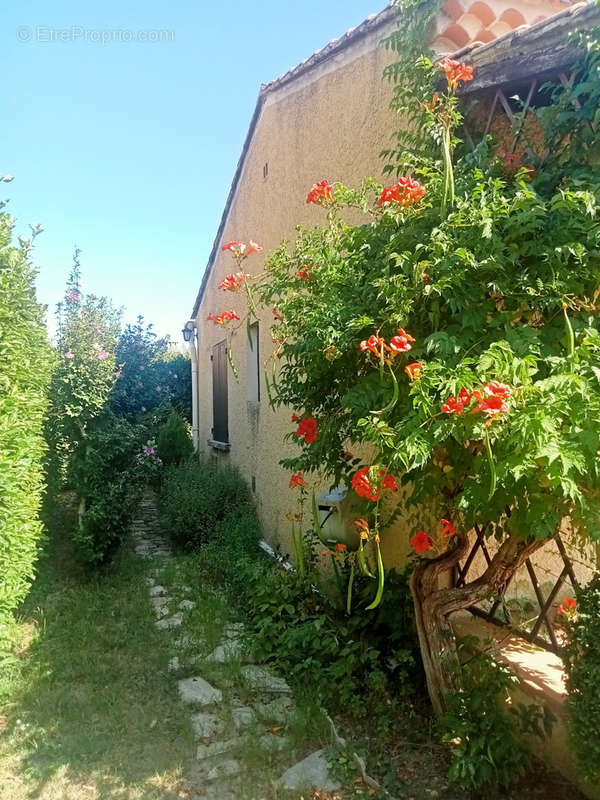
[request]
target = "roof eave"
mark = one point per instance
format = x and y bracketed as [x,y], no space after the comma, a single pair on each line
[232,190]
[373,23]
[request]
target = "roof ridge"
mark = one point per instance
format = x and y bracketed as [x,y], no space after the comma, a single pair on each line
[372,22]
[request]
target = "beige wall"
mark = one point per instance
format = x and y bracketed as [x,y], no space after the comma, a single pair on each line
[330,123]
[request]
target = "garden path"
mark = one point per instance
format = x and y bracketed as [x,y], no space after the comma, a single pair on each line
[238,710]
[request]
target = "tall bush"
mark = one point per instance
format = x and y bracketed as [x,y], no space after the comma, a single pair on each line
[196,496]
[88,447]
[109,476]
[174,440]
[151,374]
[25,367]
[87,330]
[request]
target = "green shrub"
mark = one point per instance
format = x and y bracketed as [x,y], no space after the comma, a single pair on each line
[174,440]
[106,521]
[364,663]
[84,376]
[237,535]
[484,731]
[196,496]
[25,366]
[109,471]
[582,663]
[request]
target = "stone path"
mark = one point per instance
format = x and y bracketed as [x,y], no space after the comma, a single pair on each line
[228,729]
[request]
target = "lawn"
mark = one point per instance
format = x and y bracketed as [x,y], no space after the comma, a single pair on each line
[87,707]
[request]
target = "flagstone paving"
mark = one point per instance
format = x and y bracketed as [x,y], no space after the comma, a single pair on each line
[224,725]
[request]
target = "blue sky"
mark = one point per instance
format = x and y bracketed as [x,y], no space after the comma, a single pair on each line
[128,148]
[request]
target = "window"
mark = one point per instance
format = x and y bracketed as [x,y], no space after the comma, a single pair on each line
[253,364]
[220,430]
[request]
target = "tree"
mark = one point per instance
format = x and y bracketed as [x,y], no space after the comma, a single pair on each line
[151,373]
[87,333]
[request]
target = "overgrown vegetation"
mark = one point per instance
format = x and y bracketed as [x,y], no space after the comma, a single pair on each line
[454,338]
[110,392]
[25,366]
[89,449]
[582,661]
[110,479]
[363,665]
[485,730]
[454,335]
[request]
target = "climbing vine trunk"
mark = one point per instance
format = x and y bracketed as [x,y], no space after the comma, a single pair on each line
[434,605]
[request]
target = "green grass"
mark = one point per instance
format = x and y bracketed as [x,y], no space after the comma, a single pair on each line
[87,707]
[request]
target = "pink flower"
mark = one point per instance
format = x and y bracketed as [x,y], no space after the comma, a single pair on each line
[149,450]
[102,355]
[69,355]
[74,296]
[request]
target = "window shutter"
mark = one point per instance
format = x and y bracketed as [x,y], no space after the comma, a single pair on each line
[220,405]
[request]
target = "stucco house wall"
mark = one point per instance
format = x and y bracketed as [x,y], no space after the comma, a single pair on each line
[330,123]
[328,117]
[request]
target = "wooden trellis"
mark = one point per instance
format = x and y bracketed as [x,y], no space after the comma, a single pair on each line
[542,620]
[499,613]
[500,103]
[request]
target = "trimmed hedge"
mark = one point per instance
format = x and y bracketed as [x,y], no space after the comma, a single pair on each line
[25,367]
